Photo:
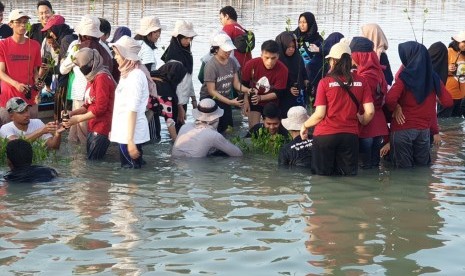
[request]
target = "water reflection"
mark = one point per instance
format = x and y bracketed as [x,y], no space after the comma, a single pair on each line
[374,228]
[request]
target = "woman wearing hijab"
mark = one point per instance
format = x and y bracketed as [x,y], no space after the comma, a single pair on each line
[368,66]
[309,44]
[98,102]
[374,33]
[456,76]
[180,49]
[438,53]
[340,96]
[129,127]
[414,95]
[119,32]
[297,78]
[167,79]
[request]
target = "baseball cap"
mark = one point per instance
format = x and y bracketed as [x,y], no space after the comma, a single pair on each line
[16,104]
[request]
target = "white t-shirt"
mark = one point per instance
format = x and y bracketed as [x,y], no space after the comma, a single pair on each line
[9,129]
[147,55]
[131,94]
[79,85]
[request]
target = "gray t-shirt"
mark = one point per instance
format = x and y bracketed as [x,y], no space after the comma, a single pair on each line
[221,75]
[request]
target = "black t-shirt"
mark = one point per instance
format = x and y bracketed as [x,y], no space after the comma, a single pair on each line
[5,31]
[31,174]
[36,32]
[297,153]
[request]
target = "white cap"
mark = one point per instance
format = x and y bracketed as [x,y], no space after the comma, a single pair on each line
[222,40]
[339,49]
[459,37]
[17,14]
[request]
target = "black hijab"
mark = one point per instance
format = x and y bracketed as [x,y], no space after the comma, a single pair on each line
[311,35]
[332,39]
[293,62]
[177,52]
[418,74]
[439,58]
[170,75]
[61,31]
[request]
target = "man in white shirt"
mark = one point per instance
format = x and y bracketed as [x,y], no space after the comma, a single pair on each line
[200,139]
[22,125]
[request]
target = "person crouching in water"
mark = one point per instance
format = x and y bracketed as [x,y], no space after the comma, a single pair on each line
[201,138]
[19,158]
[98,102]
[129,126]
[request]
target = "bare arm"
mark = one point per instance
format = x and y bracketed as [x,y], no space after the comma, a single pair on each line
[317,116]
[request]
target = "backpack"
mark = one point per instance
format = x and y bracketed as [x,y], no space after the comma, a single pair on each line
[241,42]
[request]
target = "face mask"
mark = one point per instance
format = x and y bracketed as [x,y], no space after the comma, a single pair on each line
[86,69]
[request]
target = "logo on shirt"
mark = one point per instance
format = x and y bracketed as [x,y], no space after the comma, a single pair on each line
[355,83]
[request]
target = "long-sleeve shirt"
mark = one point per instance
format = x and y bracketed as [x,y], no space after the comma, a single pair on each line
[199,141]
[417,116]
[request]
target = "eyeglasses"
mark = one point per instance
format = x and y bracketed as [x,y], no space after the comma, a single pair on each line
[21,22]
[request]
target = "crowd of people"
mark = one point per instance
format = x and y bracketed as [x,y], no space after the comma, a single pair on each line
[115,90]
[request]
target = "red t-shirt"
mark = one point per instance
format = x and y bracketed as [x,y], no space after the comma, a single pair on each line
[417,116]
[341,111]
[100,103]
[234,30]
[265,80]
[20,61]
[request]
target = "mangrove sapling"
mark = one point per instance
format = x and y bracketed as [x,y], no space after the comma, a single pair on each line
[425,13]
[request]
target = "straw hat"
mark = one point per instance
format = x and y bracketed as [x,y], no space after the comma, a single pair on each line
[222,40]
[207,111]
[90,26]
[459,37]
[182,27]
[149,24]
[296,117]
[55,20]
[17,14]
[339,49]
[128,47]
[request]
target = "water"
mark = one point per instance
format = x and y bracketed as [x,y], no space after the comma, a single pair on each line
[244,216]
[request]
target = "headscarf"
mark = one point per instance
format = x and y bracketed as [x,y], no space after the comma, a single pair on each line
[87,57]
[368,66]
[374,33]
[177,52]
[93,43]
[418,74]
[311,35]
[439,58]
[292,62]
[128,65]
[61,31]
[170,75]
[332,39]
[119,32]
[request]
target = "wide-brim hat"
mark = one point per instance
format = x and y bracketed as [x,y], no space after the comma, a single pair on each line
[339,49]
[459,37]
[222,40]
[16,104]
[128,47]
[89,26]
[207,110]
[17,14]
[149,24]
[296,117]
[182,27]
[55,20]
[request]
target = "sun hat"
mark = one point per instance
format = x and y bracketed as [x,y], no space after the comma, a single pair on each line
[16,104]
[222,40]
[90,26]
[296,117]
[459,37]
[55,20]
[361,44]
[339,49]
[128,47]
[207,110]
[182,27]
[149,24]
[17,14]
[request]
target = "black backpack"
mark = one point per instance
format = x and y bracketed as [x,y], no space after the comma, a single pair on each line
[243,43]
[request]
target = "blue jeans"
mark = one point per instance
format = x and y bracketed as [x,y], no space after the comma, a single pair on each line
[410,147]
[369,151]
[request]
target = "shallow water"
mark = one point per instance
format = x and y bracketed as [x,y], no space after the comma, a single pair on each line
[244,216]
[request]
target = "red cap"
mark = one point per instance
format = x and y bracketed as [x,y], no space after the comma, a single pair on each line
[53,21]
